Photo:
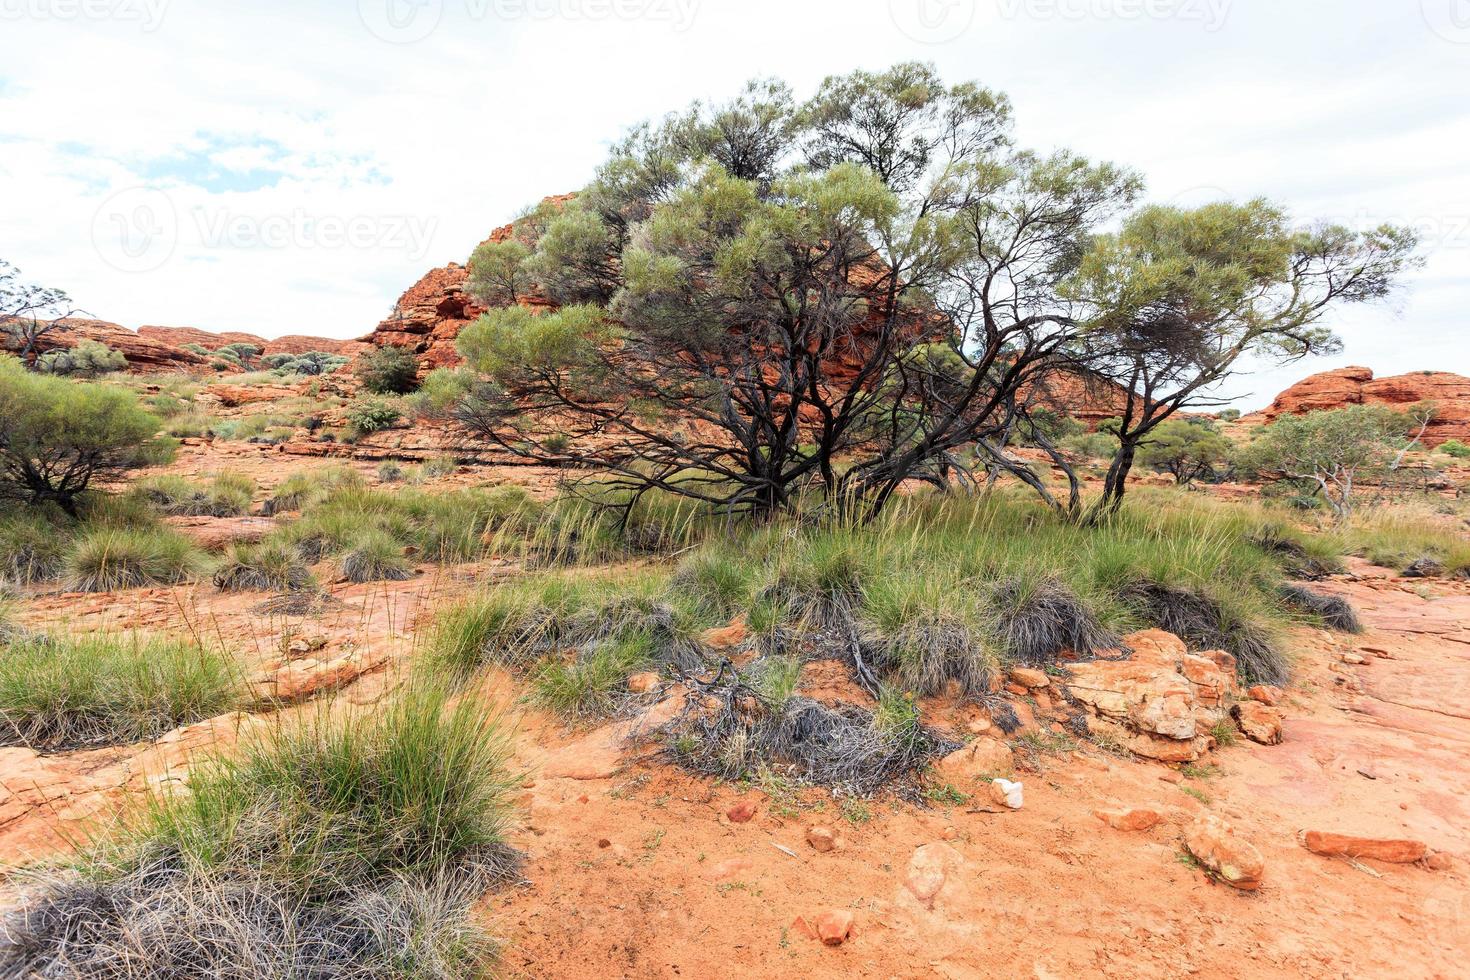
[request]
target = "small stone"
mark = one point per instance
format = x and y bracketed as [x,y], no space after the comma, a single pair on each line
[1016,689]
[729,868]
[1439,861]
[1007,793]
[1028,677]
[1265,693]
[1133,820]
[1257,722]
[1235,861]
[1170,776]
[981,759]
[822,839]
[1356,659]
[643,683]
[1344,845]
[834,926]
[742,812]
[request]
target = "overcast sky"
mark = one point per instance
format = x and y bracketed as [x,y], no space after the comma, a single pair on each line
[291,166]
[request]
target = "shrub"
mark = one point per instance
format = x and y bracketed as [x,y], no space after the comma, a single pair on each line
[87,359]
[112,690]
[32,548]
[353,848]
[390,472]
[228,495]
[920,638]
[1036,620]
[1190,449]
[310,364]
[111,559]
[374,556]
[1331,611]
[305,486]
[441,390]
[266,566]
[58,437]
[372,415]
[387,370]
[1455,448]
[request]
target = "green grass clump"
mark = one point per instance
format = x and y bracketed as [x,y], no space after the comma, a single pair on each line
[353,847]
[227,495]
[56,693]
[374,556]
[32,548]
[265,566]
[111,559]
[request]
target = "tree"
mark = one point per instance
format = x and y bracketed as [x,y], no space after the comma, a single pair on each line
[1189,449]
[498,274]
[1332,449]
[388,370]
[59,438]
[1180,296]
[87,359]
[752,291]
[29,311]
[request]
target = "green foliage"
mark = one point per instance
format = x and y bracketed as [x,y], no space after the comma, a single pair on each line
[112,558]
[266,566]
[441,391]
[513,342]
[32,547]
[372,415]
[57,693]
[309,364]
[1333,449]
[1455,448]
[387,370]
[498,274]
[88,359]
[58,437]
[375,556]
[1190,449]
[227,495]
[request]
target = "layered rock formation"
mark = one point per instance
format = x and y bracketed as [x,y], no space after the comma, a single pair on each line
[153,348]
[1357,386]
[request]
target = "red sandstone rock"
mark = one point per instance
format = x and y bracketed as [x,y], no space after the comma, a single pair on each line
[1357,386]
[1344,845]
[833,926]
[1235,861]
[142,353]
[741,812]
[1133,819]
[1258,722]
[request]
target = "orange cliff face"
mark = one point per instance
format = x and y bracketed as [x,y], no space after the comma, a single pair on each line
[1357,386]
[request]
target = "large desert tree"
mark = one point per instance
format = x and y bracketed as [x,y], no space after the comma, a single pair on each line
[1183,297]
[762,299]
[29,311]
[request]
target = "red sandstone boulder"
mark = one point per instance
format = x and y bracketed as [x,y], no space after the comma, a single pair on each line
[1232,859]
[1357,386]
[1344,845]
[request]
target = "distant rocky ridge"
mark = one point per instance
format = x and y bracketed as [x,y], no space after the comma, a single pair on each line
[153,348]
[1357,386]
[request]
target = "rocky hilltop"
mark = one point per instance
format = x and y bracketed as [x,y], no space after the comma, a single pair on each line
[1357,386]
[154,348]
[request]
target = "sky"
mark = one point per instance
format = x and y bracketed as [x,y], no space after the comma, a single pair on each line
[291,166]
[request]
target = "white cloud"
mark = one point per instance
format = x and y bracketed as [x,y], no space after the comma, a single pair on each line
[313,170]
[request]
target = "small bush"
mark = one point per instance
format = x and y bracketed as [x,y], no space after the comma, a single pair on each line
[88,359]
[372,415]
[60,693]
[1036,620]
[1455,448]
[111,559]
[390,472]
[310,364]
[441,391]
[388,370]
[374,556]
[266,566]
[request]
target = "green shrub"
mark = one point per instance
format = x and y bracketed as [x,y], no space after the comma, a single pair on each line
[441,391]
[389,471]
[112,690]
[60,437]
[1455,448]
[372,415]
[309,364]
[387,370]
[111,559]
[87,359]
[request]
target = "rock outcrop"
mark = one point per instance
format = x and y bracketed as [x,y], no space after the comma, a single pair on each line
[142,353]
[1357,386]
[288,344]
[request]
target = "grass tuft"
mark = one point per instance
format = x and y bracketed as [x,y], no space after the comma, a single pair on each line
[111,559]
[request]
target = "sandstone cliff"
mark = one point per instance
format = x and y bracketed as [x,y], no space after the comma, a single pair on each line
[1357,386]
